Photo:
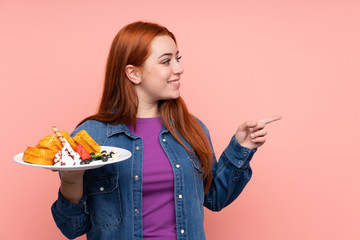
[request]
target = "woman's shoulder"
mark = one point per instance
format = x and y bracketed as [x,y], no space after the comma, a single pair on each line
[202,125]
[92,127]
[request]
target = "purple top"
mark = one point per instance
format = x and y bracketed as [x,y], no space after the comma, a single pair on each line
[158,204]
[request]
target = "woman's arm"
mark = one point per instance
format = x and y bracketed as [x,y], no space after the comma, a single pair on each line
[71,187]
[232,172]
[70,209]
[229,175]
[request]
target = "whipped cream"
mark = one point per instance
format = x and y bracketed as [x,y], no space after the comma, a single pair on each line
[67,156]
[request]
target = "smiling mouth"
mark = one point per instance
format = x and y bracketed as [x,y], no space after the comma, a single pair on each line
[174,82]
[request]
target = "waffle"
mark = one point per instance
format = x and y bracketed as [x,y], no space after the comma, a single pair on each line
[87,142]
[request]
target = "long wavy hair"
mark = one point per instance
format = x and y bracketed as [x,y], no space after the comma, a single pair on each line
[119,100]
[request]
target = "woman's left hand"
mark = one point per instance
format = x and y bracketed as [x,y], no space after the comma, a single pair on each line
[251,134]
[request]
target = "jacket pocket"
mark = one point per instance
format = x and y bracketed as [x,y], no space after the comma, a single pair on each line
[104,201]
[196,164]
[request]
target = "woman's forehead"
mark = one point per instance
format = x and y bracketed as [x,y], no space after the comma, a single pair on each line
[163,44]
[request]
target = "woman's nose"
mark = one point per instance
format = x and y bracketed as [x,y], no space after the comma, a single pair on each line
[178,69]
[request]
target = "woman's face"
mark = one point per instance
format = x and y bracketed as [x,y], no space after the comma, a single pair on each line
[160,75]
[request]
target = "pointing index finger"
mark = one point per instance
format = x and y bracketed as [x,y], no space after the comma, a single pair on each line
[271,119]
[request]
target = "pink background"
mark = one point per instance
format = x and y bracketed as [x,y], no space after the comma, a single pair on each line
[243,60]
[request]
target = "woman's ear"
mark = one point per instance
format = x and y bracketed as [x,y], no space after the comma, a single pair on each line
[133,74]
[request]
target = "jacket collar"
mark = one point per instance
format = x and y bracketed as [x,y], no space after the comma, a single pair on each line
[113,129]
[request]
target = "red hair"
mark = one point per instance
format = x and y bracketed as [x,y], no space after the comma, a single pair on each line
[119,101]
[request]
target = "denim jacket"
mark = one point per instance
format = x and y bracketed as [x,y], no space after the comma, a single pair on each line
[111,204]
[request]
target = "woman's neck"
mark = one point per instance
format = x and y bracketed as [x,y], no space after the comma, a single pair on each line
[147,110]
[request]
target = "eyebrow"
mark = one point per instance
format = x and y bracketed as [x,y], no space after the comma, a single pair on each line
[168,54]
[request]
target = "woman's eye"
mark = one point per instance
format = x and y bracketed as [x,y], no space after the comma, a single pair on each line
[167,61]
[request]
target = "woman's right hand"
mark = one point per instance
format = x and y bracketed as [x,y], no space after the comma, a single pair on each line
[71,187]
[72,177]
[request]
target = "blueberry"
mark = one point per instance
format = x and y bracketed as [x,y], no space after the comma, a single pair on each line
[104,158]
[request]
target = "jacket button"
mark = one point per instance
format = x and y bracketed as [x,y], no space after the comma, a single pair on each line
[180,196]
[182,231]
[101,189]
[177,165]
[137,147]
[136,210]
[164,140]
[136,177]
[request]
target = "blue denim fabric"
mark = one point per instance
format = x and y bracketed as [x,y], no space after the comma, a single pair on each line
[111,204]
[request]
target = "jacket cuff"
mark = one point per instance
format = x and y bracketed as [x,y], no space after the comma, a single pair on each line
[238,155]
[70,209]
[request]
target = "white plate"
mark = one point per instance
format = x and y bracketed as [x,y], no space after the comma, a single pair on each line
[122,153]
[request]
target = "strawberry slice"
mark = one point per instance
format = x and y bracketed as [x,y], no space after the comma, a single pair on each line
[84,154]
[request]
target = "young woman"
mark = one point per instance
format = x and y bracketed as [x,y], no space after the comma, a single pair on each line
[158,193]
